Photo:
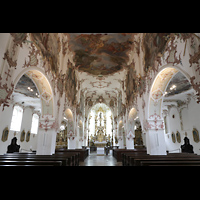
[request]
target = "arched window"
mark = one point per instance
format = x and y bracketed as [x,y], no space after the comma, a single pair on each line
[34,125]
[16,118]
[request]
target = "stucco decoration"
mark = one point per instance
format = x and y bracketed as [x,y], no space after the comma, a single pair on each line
[5,93]
[45,91]
[158,89]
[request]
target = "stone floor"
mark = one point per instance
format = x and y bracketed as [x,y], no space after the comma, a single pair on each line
[100,160]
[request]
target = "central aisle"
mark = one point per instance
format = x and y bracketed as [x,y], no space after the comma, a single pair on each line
[100,160]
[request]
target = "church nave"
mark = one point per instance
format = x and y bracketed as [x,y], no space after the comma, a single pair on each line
[100,160]
[70,97]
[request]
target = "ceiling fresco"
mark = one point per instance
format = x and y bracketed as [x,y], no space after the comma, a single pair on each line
[100,54]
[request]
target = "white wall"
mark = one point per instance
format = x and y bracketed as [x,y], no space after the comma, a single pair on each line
[173,126]
[5,119]
[190,119]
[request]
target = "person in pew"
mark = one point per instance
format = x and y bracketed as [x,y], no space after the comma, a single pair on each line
[187,147]
[13,147]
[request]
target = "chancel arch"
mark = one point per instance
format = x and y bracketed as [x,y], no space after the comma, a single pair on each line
[100,125]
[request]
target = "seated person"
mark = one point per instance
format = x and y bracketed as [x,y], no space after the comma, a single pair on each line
[187,147]
[13,147]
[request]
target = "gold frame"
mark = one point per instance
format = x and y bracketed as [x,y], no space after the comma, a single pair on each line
[178,137]
[196,138]
[5,134]
[173,137]
[22,137]
[28,134]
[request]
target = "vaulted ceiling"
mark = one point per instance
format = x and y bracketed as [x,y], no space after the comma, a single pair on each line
[26,93]
[101,61]
[100,54]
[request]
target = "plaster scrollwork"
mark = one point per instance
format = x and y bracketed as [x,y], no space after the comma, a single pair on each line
[130,135]
[5,93]
[12,63]
[48,123]
[155,122]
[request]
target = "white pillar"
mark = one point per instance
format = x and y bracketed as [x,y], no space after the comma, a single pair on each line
[46,141]
[120,142]
[46,138]
[155,139]
[130,140]
[72,142]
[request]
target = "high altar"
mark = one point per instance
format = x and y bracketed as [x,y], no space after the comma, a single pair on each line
[100,137]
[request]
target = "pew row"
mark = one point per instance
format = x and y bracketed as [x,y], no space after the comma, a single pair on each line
[68,159]
[82,152]
[117,153]
[177,159]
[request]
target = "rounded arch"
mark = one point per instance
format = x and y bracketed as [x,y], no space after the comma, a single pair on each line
[132,114]
[69,114]
[99,105]
[158,88]
[43,86]
[80,124]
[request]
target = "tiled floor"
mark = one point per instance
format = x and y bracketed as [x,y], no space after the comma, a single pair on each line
[95,160]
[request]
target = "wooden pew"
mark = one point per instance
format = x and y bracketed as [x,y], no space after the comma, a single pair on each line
[67,160]
[74,156]
[137,160]
[117,153]
[64,160]
[126,157]
[171,163]
[29,163]
[83,152]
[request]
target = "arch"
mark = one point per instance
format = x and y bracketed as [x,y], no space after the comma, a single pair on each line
[132,114]
[158,88]
[80,124]
[94,123]
[96,105]
[69,114]
[43,86]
